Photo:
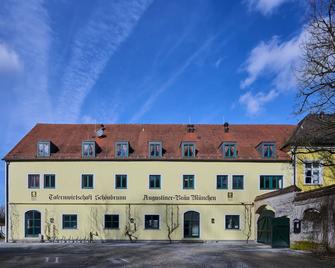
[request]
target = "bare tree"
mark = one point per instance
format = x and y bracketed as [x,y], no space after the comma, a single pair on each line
[130,226]
[247,220]
[316,73]
[172,219]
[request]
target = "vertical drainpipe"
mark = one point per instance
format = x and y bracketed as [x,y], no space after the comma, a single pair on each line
[7,198]
[294,165]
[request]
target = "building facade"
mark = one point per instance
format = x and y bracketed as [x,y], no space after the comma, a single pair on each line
[144,182]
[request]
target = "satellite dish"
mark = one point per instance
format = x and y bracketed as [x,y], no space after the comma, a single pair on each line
[100,132]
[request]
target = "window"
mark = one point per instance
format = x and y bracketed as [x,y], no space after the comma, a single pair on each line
[238,182]
[268,150]
[313,173]
[43,148]
[270,182]
[151,221]
[120,181]
[112,221]
[87,181]
[33,181]
[69,221]
[154,181]
[88,149]
[188,181]
[155,149]
[188,150]
[222,182]
[49,181]
[232,222]
[122,149]
[229,150]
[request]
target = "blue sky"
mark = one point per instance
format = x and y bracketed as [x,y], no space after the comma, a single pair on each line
[146,61]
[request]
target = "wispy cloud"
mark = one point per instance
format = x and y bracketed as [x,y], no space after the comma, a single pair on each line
[94,45]
[254,102]
[266,7]
[275,61]
[9,59]
[169,82]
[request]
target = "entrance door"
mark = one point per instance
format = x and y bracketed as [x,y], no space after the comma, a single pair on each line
[32,223]
[264,227]
[191,224]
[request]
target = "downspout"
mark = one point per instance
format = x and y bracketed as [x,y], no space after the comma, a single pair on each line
[294,165]
[7,200]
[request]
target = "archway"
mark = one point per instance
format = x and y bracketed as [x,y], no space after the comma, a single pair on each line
[32,226]
[191,224]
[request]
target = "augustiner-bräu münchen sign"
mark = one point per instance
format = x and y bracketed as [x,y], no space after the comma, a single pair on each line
[110,197]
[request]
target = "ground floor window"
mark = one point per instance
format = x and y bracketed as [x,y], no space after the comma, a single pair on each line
[151,221]
[191,224]
[32,223]
[112,221]
[270,182]
[69,221]
[232,222]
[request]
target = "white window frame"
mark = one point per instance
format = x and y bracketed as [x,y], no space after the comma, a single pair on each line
[320,172]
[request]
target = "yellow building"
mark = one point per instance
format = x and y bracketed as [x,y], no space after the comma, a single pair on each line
[146,182]
[312,148]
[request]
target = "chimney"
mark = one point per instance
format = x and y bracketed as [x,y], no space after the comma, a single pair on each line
[226,127]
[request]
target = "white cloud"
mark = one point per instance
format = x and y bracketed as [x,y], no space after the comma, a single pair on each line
[254,102]
[266,7]
[9,59]
[94,45]
[276,58]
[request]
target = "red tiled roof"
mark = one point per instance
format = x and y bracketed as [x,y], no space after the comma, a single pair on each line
[68,138]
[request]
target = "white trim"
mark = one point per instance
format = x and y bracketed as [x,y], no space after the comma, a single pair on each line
[307,161]
[231,178]
[161,182]
[27,180]
[50,173]
[24,224]
[215,182]
[270,174]
[183,223]
[61,221]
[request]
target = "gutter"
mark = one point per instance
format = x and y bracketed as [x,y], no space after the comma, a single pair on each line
[7,198]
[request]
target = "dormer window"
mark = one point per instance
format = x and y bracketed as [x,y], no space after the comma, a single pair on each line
[268,150]
[43,148]
[88,149]
[122,149]
[188,149]
[155,149]
[229,150]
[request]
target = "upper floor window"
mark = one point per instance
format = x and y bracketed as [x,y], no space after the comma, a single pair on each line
[229,150]
[69,221]
[222,182]
[268,150]
[111,221]
[33,181]
[154,181]
[151,221]
[238,182]
[87,181]
[49,181]
[188,149]
[313,173]
[122,149]
[232,222]
[188,181]
[43,148]
[120,181]
[155,149]
[270,182]
[88,148]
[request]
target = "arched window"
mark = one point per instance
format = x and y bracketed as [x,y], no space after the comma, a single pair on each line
[32,223]
[191,224]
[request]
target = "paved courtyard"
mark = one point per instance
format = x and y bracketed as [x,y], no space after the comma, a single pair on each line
[145,254]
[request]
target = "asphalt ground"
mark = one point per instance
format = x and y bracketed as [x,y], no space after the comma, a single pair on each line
[155,254]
